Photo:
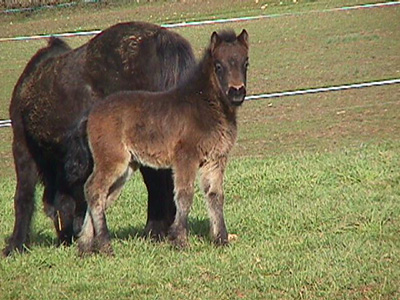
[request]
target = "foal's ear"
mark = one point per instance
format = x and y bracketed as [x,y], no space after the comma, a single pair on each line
[243,38]
[215,41]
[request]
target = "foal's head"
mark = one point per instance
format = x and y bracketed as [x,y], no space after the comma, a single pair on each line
[229,55]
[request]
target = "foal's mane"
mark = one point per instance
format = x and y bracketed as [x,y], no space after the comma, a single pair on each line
[227,36]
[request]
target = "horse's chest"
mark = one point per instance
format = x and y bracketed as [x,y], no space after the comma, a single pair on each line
[219,144]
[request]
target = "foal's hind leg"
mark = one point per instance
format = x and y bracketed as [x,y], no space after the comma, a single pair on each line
[99,191]
[212,175]
[86,236]
[27,179]
[94,228]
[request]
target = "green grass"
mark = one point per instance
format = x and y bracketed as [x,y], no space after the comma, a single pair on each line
[312,188]
[321,225]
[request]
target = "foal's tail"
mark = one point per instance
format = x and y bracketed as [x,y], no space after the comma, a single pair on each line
[78,161]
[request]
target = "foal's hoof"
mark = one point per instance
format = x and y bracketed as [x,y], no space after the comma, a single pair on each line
[85,247]
[223,240]
[179,243]
[84,251]
[106,249]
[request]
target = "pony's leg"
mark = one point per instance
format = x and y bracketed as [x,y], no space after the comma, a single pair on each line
[27,179]
[184,178]
[60,207]
[211,178]
[80,209]
[74,218]
[64,207]
[161,207]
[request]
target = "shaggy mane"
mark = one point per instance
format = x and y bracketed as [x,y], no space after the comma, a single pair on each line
[228,36]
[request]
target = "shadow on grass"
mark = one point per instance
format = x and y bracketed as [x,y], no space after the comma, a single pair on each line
[37,239]
[197,226]
[43,239]
[127,233]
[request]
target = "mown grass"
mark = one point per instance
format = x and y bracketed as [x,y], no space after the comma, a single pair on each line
[312,189]
[321,225]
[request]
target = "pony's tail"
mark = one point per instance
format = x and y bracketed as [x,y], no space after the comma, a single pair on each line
[78,162]
[176,59]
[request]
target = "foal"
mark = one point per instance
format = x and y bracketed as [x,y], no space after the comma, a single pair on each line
[189,128]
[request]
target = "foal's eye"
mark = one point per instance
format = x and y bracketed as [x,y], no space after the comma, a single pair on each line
[246,65]
[218,67]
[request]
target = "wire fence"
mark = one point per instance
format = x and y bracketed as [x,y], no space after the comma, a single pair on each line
[12,6]
[206,22]
[7,123]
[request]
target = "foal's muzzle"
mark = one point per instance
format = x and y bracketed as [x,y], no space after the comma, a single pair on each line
[236,94]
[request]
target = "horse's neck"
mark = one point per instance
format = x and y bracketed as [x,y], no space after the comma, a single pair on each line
[202,86]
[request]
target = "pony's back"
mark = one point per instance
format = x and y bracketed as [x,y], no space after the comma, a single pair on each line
[54,48]
[155,56]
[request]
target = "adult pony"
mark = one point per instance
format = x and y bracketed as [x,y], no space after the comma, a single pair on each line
[56,88]
[188,128]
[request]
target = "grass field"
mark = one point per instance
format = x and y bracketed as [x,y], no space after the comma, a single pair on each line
[312,188]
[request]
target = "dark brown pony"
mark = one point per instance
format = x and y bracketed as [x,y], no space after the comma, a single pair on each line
[188,129]
[56,89]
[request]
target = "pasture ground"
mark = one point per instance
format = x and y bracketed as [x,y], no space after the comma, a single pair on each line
[312,189]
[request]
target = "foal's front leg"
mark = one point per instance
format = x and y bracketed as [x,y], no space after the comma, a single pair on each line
[212,177]
[184,177]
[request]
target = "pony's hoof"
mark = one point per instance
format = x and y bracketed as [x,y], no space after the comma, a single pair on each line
[6,252]
[13,248]
[156,230]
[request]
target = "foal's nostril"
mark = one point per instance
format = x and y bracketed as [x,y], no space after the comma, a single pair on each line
[237,94]
[242,90]
[237,90]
